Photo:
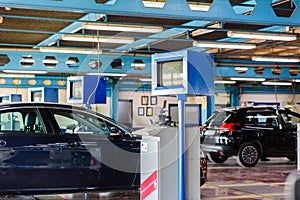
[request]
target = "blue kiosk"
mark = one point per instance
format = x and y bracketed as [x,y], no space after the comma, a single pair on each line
[182,73]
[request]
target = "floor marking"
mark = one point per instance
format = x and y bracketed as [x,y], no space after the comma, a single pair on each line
[240,194]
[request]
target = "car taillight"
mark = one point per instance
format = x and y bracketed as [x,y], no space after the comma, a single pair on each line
[230,126]
[203,161]
[201,128]
[93,161]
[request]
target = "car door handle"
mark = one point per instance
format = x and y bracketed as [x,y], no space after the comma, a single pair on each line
[2,143]
[73,144]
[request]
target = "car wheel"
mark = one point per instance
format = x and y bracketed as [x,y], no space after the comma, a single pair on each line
[248,154]
[216,158]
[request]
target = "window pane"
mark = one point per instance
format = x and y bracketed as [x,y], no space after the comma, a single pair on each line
[76,122]
[11,121]
[27,120]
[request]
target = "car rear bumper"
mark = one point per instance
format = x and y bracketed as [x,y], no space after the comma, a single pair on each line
[220,149]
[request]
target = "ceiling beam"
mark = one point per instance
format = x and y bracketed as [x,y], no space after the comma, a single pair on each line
[177,9]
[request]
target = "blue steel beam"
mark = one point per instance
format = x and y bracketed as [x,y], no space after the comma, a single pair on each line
[228,72]
[81,67]
[10,82]
[220,10]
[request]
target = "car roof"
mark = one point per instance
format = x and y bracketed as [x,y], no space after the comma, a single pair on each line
[59,106]
[260,108]
[38,104]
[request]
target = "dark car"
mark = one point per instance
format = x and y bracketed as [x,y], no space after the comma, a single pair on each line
[203,168]
[47,148]
[250,134]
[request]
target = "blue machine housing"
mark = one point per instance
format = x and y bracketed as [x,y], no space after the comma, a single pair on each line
[88,89]
[197,74]
[5,98]
[43,94]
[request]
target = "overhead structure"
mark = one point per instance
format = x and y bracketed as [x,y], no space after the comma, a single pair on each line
[233,31]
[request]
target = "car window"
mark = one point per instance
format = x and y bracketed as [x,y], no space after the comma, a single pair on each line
[220,118]
[26,120]
[264,119]
[72,122]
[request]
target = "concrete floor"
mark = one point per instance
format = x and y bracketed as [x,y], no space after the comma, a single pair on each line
[264,181]
[226,181]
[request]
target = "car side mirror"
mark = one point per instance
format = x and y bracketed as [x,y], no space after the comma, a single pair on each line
[114,132]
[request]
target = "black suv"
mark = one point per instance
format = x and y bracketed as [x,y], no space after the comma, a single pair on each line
[250,134]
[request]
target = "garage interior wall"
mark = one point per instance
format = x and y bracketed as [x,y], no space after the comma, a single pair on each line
[143,121]
[285,100]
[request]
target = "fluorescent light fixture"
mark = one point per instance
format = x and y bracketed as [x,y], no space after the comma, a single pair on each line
[121,27]
[277,83]
[27,60]
[138,64]
[50,61]
[154,4]
[229,45]
[72,61]
[297,80]
[200,32]
[275,59]
[23,72]
[3,75]
[241,68]
[69,50]
[264,36]
[145,79]
[106,74]
[102,39]
[247,79]
[225,82]
[199,7]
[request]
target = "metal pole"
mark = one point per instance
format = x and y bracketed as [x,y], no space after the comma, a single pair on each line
[298,146]
[181,141]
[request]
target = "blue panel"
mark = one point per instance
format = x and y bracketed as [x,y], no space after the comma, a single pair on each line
[200,73]
[94,91]
[266,103]
[51,95]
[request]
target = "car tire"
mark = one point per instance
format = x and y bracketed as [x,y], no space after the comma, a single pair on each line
[216,158]
[248,154]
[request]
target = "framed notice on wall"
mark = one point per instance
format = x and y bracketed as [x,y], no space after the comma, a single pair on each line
[144,100]
[141,111]
[149,111]
[153,100]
